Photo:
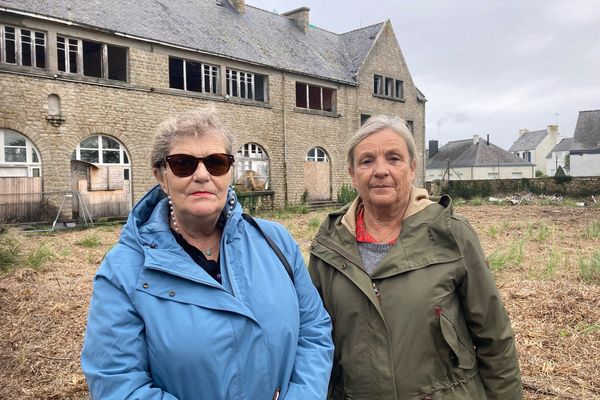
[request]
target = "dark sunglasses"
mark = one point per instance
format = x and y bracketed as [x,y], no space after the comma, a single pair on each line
[183,165]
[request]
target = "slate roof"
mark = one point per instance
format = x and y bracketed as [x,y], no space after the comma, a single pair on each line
[463,153]
[529,141]
[563,145]
[587,132]
[215,27]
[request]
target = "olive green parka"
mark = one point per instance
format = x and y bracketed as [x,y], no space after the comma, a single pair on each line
[427,324]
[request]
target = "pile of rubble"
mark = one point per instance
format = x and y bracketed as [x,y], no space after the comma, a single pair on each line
[529,198]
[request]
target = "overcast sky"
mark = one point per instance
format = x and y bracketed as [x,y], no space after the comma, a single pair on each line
[485,66]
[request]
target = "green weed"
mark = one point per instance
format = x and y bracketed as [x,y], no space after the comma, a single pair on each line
[592,230]
[511,256]
[10,251]
[38,257]
[589,269]
[90,241]
[314,223]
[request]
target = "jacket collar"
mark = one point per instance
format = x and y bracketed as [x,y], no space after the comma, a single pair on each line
[419,199]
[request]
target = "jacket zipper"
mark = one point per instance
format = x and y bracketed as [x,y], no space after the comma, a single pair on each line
[377,292]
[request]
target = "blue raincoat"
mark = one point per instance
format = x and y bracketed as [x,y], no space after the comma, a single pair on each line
[160,327]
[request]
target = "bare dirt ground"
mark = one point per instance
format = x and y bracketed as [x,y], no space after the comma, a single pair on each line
[555,315]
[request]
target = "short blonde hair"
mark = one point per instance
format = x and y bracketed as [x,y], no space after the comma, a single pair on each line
[195,123]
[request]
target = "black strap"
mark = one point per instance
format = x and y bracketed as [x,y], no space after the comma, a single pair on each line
[276,249]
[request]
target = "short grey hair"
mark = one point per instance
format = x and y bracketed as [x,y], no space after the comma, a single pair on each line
[377,124]
[194,123]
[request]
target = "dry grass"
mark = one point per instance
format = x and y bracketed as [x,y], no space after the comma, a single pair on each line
[556,317]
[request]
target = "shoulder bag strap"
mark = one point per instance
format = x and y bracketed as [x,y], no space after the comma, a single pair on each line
[276,249]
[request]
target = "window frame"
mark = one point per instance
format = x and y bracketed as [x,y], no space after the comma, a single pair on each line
[100,149]
[317,154]
[209,76]
[308,87]
[246,84]
[32,155]
[72,49]
[388,88]
[18,46]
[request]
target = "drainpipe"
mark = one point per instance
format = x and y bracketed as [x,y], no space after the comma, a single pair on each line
[285,171]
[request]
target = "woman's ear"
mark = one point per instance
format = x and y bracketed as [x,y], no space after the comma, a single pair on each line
[159,174]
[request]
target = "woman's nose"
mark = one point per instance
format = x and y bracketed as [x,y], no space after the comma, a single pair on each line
[201,174]
[380,167]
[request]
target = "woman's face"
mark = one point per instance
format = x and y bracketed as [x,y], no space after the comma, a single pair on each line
[382,172]
[200,194]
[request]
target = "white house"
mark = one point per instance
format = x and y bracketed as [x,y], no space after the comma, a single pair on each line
[474,159]
[534,146]
[558,157]
[585,150]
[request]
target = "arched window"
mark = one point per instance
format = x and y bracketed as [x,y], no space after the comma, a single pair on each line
[100,149]
[251,168]
[19,156]
[317,154]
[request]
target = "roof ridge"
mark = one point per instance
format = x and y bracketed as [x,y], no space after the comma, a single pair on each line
[359,29]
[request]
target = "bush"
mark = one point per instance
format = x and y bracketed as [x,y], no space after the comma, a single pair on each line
[346,194]
[39,256]
[589,270]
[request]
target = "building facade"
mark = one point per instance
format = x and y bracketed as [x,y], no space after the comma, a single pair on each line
[474,159]
[584,154]
[84,88]
[535,146]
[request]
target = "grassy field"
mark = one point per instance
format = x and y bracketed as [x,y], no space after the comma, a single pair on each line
[546,260]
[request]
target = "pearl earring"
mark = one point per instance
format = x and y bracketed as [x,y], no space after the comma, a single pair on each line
[173,215]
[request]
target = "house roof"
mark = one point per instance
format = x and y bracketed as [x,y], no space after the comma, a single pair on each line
[563,145]
[215,27]
[587,132]
[463,153]
[529,140]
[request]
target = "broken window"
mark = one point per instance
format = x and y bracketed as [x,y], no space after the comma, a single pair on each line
[84,57]
[314,97]
[22,46]
[389,87]
[377,84]
[399,89]
[193,76]
[364,118]
[245,85]
[251,168]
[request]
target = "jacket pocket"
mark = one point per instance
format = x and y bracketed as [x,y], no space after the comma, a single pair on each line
[459,342]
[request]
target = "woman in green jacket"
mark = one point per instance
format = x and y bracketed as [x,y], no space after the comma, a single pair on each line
[415,309]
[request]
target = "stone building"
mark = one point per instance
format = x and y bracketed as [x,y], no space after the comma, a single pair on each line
[85,83]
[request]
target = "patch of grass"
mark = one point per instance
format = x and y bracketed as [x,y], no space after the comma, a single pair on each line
[38,257]
[555,259]
[511,256]
[90,241]
[314,223]
[496,230]
[592,230]
[477,201]
[290,210]
[585,329]
[10,251]
[589,269]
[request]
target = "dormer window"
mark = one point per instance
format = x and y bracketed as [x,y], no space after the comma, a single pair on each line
[384,86]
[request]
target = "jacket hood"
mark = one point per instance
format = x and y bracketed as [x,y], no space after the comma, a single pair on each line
[151,214]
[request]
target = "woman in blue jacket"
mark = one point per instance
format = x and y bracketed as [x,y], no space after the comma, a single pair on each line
[193,303]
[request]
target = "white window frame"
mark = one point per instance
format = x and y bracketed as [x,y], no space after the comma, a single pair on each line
[123,156]
[18,40]
[333,97]
[317,154]
[30,150]
[252,156]
[75,45]
[243,84]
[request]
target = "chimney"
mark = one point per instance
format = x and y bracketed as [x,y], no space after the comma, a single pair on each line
[553,131]
[239,5]
[488,139]
[433,148]
[300,17]
[475,139]
[522,132]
